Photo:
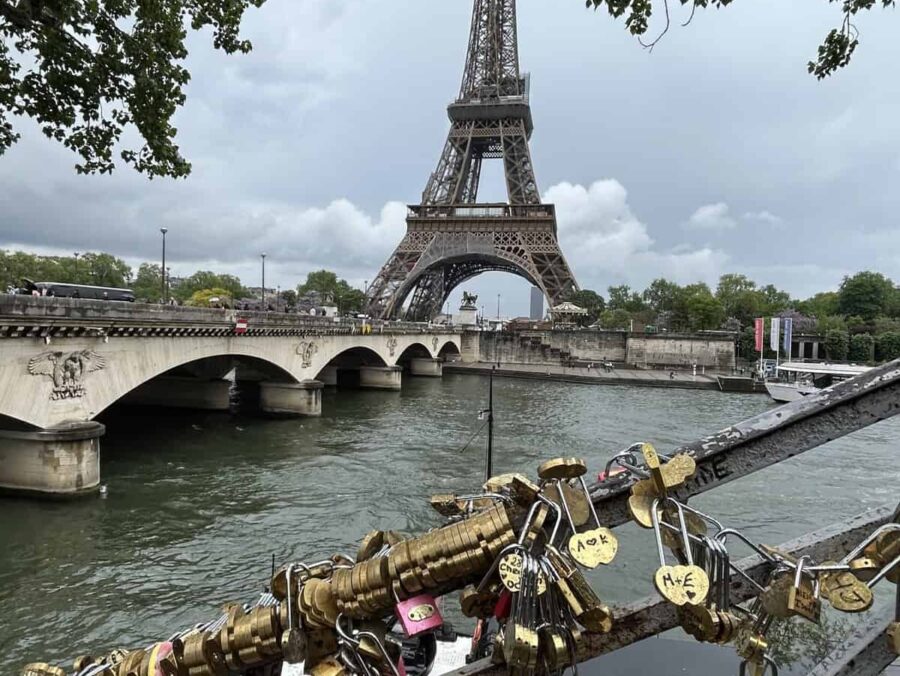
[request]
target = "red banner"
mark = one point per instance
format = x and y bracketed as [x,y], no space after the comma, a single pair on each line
[760,325]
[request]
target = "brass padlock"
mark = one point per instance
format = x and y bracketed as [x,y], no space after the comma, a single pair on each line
[893,636]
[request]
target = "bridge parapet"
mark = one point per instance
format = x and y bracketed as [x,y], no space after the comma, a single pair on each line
[31,316]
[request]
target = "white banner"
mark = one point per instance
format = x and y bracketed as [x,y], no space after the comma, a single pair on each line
[775,333]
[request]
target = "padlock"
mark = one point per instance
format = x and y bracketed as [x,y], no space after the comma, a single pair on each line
[803,597]
[680,584]
[159,652]
[893,636]
[501,610]
[418,615]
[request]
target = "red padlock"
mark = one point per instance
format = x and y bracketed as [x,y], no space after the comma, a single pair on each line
[501,609]
[159,652]
[418,615]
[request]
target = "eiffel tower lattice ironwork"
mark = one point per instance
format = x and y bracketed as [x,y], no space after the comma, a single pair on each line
[450,236]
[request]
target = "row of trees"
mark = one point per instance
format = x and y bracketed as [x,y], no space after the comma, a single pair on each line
[103,269]
[201,289]
[860,321]
[98,269]
[866,301]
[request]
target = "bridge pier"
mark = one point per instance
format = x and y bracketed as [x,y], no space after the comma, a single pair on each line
[380,377]
[328,376]
[291,399]
[182,392]
[62,461]
[427,367]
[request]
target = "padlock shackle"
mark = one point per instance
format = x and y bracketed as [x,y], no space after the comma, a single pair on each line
[682,529]
[289,573]
[884,571]
[590,502]
[865,543]
[554,506]
[725,532]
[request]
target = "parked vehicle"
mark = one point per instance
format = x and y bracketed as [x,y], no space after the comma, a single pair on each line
[60,290]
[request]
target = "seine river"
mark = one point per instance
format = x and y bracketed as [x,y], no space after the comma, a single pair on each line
[198,503]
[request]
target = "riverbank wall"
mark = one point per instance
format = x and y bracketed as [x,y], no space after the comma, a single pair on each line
[585,376]
[660,351]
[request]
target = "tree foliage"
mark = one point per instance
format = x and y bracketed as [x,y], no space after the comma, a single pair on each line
[862,348]
[623,298]
[205,279]
[834,53]
[837,344]
[88,70]
[888,346]
[699,308]
[821,305]
[147,285]
[618,319]
[327,284]
[662,295]
[96,269]
[866,294]
[218,297]
[591,301]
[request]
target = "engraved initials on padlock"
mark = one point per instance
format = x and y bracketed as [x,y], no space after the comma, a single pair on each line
[418,615]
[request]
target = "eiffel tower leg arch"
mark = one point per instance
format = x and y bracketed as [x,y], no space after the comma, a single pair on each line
[429,289]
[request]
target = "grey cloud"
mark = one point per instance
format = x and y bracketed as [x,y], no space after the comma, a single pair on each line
[340,110]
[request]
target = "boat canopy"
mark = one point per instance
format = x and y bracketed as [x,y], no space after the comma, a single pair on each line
[822,368]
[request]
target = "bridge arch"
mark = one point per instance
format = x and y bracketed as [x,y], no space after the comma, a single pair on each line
[201,383]
[449,351]
[109,369]
[415,351]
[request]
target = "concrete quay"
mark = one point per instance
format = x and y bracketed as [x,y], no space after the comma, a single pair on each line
[596,376]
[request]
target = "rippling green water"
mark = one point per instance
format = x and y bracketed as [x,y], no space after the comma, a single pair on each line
[199,503]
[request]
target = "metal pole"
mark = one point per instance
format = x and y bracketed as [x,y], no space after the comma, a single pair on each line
[489,461]
[162,270]
[263,256]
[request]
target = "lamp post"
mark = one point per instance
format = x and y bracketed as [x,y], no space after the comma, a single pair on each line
[162,270]
[498,307]
[263,257]
[77,254]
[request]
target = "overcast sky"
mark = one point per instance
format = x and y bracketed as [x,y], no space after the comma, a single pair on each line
[715,153]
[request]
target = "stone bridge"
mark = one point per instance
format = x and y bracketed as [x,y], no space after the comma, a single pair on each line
[64,361]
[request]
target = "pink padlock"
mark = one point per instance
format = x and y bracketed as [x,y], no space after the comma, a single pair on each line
[418,615]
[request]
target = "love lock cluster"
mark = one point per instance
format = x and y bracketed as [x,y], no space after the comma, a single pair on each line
[534,601]
[699,583]
[513,550]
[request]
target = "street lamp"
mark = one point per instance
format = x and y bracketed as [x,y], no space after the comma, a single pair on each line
[162,269]
[498,307]
[263,257]
[77,254]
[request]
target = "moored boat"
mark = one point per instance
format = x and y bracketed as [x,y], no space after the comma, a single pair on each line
[800,379]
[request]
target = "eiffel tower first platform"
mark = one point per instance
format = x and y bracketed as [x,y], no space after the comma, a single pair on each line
[450,236]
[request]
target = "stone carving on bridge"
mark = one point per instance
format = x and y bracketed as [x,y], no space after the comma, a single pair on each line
[67,370]
[434,343]
[392,345]
[306,350]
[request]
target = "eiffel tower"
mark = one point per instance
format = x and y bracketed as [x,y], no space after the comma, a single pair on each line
[450,236]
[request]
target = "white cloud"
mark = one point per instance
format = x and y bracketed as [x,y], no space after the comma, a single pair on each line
[765,217]
[712,217]
[605,243]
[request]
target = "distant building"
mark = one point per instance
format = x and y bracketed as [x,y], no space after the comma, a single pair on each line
[537,304]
